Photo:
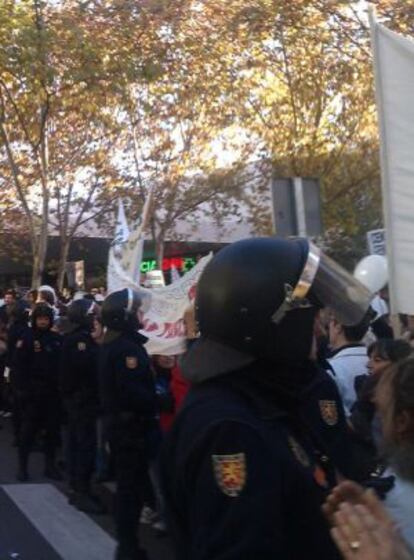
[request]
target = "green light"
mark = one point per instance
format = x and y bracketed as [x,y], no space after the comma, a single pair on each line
[189,262]
[151,264]
[148,265]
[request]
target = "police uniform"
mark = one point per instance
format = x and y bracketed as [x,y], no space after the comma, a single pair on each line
[324,411]
[245,469]
[243,479]
[37,360]
[128,401]
[17,330]
[79,385]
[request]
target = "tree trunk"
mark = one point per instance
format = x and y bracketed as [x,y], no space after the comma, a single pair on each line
[63,259]
[159,249]
[39,248]
[36,269]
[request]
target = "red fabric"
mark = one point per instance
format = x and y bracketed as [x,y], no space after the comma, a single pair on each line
[179,388]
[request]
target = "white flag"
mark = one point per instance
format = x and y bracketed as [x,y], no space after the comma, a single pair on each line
[118,245]
[121,226]
[128,246]
[134,249]
[394,73]
[163,323]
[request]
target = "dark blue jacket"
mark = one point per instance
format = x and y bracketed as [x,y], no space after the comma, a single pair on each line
[125,378]
[79,369]
[16,331]
[324,411]
[242,478]
[36,362]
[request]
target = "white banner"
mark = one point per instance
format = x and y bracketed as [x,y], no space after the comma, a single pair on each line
[175,275]
[394,73]
[163,323]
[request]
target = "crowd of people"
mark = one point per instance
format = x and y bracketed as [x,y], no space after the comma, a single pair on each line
[78,386]
[286,430]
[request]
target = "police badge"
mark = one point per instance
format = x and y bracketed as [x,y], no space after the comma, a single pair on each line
[329,412]
[37,347]
[230,473]
[81,346]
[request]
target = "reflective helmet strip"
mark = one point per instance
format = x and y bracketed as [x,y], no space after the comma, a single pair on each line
[309,271]
[297,295]
[130,300]
[91,308]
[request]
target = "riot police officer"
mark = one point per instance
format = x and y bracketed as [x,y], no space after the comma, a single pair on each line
[128,401]
[79,386]
[243,472]
[18,327]
[36,364]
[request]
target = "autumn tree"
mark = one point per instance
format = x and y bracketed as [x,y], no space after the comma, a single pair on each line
[303,84]
[176,118]
[297,77]
[100,96]
[85,186]
[54,96]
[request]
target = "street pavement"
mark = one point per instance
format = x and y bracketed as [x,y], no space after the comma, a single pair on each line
[37,523]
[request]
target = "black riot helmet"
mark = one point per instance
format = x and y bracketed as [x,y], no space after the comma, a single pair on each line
[257,299]
[81,313]
[120,309]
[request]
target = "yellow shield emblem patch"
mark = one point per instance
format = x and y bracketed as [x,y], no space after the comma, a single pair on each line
[329,412]
[131,362]
[230,473]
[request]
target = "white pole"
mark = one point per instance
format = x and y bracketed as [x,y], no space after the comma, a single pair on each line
[300,206]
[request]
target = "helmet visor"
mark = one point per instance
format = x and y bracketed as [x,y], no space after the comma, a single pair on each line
[337,289]
[325,283]
[138,300]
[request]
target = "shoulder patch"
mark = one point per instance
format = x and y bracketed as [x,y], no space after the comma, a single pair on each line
[299,452]
[131,362]
[37,346]
[19,344]
[329,412]
[230,473]
[81,346]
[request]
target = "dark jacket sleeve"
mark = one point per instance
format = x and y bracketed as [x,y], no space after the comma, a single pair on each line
[128,382]
[77,366]
[21,360]
[67,371]
[323,411]
[229,476]
[13,337]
